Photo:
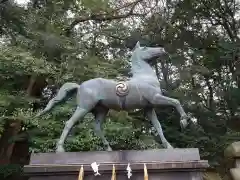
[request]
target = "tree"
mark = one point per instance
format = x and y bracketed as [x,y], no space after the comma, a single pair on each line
[202,39]
[48,43]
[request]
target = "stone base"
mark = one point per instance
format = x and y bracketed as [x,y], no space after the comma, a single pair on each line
[232,157]
[167,164]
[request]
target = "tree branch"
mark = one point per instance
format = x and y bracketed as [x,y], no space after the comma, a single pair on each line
[3,1]
[165,72]
[106,16]
[210,102]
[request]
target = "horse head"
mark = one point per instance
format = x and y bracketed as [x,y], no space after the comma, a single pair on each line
[148,53]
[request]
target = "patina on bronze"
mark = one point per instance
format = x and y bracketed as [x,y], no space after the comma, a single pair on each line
[99,95]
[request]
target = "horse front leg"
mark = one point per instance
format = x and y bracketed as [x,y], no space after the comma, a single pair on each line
[151,115]
[159,99]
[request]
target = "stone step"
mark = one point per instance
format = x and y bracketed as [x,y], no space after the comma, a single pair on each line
[165,164]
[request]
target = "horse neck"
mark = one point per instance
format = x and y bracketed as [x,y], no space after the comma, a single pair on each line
[141,68]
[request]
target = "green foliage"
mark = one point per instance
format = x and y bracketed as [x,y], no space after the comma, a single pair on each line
[7,171]
[203,71]
[16,61]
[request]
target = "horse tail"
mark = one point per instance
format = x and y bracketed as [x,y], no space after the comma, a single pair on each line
[63,94]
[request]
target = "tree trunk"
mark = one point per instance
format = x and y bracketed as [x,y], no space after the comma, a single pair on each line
[12,128]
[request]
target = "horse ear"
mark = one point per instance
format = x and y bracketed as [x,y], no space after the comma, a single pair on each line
[137,45]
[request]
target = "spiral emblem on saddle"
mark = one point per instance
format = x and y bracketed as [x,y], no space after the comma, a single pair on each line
[122,89]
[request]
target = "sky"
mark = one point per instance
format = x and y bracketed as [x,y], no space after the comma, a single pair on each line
[22,2]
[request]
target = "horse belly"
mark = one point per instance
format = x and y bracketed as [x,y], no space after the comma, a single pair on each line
[129,103]
[111,104]
[134,100]
[111,100]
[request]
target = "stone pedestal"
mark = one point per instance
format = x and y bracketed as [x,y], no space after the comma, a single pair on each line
[174,164]
[232,155]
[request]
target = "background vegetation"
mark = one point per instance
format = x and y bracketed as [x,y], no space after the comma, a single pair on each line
[46,43]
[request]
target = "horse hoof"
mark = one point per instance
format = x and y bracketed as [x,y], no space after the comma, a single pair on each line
[183,123]
[109,148]
[38,115]
[168,146]
[60,149]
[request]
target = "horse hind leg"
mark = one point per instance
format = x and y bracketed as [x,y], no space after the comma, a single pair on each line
[78,115]
[99,118]
[87,102]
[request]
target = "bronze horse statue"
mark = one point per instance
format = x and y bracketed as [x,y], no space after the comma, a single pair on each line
[98,95]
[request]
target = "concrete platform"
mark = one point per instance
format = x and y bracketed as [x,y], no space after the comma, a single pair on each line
[174,164]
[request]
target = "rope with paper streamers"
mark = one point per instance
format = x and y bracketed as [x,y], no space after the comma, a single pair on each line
[145,172]
[81,173]
[113,173]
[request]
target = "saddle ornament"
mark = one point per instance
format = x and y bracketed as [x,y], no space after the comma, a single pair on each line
[122,89]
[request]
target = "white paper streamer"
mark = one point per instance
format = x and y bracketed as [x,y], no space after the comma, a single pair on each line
[94,166]
[129,170]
